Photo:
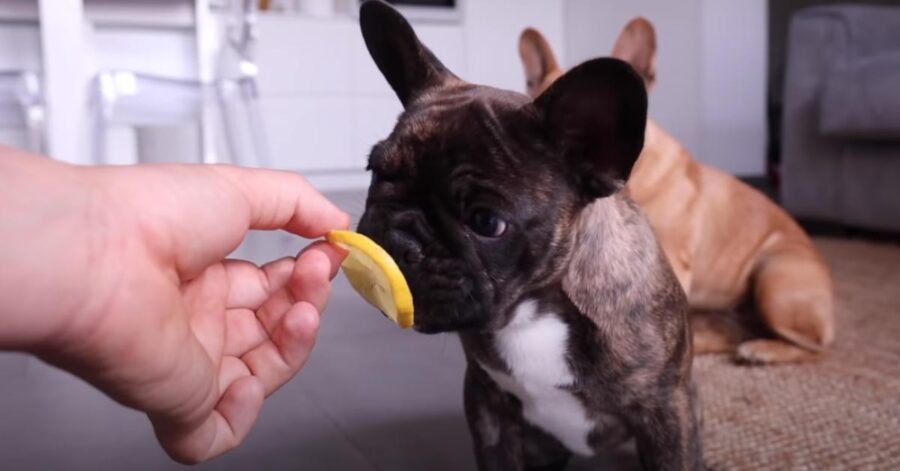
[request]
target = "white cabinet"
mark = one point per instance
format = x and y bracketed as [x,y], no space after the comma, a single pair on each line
[448,43]
[20,47]
[492,33]
[324,101]
[310,133]
[300,56]
[373,120]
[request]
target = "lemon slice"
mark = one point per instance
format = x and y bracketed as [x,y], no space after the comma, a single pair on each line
[375,276]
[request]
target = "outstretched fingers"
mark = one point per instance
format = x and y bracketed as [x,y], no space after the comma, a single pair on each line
[257,307]
[222,430]
[278,359]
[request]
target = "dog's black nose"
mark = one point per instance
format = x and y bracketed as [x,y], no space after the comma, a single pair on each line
[412,256]
[408,231]
[405,247]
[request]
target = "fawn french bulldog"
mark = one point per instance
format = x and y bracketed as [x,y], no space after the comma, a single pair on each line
[506,217]
[725,240]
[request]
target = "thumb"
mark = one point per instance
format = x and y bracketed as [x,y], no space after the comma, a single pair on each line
[285,200]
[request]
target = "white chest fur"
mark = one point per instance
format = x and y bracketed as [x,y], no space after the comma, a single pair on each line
[534,348]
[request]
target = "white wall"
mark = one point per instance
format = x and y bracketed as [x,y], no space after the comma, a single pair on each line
[325,103]
[492,29]
[711,67]
[592,27]
[734,67]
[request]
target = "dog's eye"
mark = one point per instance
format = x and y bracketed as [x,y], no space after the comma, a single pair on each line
[486,223]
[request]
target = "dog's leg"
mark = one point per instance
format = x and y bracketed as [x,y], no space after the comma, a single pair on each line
[502,439]
[771,351]
[668,434]
[716,332]
[542,451]
[678,255]
[557,466]
[793,294]
[493,423]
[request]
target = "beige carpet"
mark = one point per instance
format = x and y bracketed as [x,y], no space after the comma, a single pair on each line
[842,413]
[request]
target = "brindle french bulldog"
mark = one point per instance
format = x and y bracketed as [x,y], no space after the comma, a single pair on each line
[506,217]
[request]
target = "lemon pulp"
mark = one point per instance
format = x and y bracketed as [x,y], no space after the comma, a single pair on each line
[375,276]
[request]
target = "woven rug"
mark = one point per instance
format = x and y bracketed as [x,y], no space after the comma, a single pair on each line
[842,413]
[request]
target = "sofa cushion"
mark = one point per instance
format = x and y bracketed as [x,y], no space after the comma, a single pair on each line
[861,100]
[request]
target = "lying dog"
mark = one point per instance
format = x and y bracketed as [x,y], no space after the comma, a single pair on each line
[722,237]
[506,218]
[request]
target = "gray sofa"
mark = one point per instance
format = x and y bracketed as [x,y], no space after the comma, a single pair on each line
[841,122]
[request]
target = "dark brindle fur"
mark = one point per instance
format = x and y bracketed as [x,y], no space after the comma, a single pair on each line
[463,159]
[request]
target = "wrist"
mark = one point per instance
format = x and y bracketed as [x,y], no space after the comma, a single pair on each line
[46,207]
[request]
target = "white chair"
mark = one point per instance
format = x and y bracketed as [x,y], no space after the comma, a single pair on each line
[22,106]
[221,113]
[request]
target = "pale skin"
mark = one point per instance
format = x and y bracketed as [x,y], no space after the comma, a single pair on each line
[119,275]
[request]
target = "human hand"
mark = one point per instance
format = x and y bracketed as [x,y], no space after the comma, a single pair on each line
[118,276]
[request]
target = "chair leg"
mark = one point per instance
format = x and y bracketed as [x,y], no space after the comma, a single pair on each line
[34,123]
[98,143]
[104,99]
[207,149]
[257,126]
[231,130]
[243,127]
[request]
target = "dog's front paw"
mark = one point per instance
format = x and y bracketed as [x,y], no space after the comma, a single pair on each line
[769,351]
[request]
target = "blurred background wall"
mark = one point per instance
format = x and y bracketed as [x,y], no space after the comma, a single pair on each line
[323,104]
[711,80]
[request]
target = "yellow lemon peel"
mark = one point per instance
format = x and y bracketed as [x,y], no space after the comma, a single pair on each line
[375,276]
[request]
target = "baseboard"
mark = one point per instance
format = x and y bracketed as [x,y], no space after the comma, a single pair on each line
[820,228]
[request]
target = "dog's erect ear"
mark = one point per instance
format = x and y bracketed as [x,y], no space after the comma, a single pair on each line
[637,46]
[409,67]
[537,59]
[595,115]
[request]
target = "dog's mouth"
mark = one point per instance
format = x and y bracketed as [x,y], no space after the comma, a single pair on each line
[431,327]
[445,299]
[440,310]
[429,330]
[449,319]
